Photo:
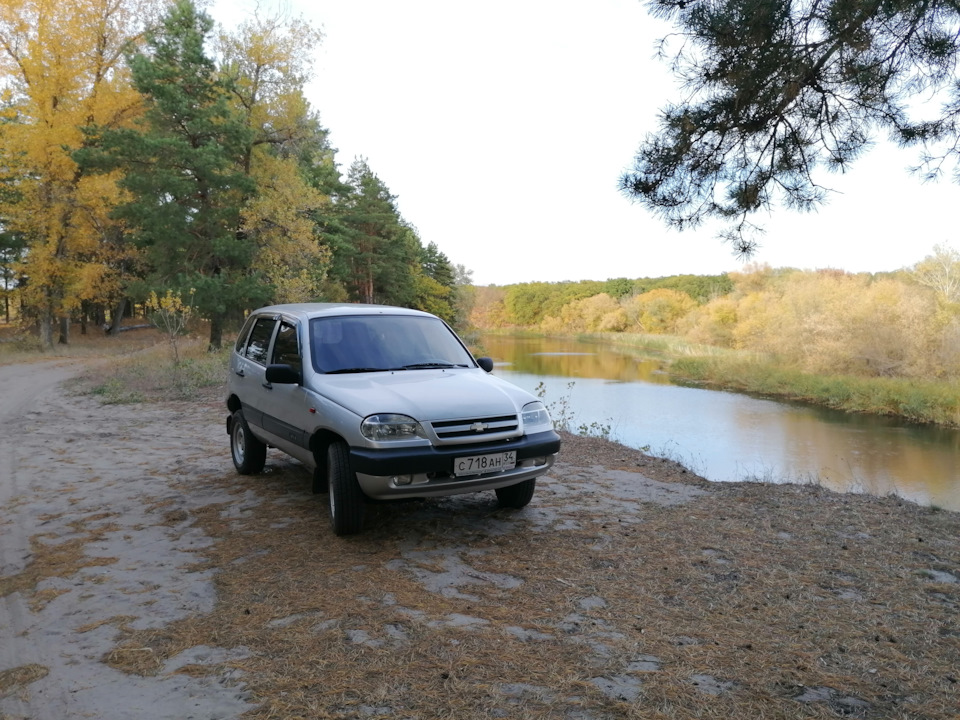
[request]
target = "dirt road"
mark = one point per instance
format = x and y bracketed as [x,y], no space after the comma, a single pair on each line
[82,554]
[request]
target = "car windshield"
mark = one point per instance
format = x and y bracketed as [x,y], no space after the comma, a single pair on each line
[369,343]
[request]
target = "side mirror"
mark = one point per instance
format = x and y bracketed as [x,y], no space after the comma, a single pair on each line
[486,363]
[282,375]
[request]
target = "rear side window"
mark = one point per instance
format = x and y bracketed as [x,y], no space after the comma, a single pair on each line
[260,340]
[242,336]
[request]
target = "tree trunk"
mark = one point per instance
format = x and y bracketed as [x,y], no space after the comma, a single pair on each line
[46,330]
[216,332]
[116,317]
[64,330]
[368,285]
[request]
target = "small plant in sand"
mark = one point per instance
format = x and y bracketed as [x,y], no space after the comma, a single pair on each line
[559,410]
[565,419]
[170,313]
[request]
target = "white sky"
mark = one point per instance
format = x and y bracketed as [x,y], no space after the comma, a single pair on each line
[503,127]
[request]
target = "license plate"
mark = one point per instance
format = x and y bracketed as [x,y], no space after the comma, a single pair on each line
[479,464]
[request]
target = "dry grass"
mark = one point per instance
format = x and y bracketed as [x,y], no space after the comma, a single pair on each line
[13,679]
[150,374]
[60,559]
[784,601]
[18,345]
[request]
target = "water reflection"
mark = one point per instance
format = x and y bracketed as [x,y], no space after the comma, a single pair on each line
[727,436]
[571,358]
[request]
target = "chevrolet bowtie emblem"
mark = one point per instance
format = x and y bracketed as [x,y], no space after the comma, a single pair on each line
[479,427]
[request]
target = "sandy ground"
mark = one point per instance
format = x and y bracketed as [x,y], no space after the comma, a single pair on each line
[104,486]
[78,477]
[140,577]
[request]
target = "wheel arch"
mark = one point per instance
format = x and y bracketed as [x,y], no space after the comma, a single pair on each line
[320,441]
[233,404]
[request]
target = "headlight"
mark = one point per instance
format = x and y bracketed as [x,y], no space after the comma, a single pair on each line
[390,427]
[535,413]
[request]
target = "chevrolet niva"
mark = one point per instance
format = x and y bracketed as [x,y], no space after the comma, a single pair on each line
[381,403]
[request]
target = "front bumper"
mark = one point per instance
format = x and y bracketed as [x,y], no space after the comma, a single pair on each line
[428,472]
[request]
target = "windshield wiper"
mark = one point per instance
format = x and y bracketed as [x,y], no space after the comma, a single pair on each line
[434,364]
[343,371]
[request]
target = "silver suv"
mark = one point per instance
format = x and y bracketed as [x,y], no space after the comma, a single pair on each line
[383,403]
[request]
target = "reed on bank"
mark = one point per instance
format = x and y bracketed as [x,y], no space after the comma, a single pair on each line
[914,399]
[925,401]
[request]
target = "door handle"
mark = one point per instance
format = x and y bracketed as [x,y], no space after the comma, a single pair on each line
[239,372]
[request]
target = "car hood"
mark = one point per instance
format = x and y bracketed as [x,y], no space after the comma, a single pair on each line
[425,395]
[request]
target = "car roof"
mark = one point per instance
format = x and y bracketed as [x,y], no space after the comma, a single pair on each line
[313,310]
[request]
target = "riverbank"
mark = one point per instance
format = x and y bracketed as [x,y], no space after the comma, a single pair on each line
[915,400]
[149,578]
[921,401]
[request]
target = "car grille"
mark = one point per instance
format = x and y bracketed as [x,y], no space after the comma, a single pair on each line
[475,428]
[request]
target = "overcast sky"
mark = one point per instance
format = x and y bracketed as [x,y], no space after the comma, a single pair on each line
[502,128]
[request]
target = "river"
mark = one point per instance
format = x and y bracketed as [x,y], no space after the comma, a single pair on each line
[727,436]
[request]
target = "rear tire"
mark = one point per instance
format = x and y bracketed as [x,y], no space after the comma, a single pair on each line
[346,497]
[516,496]
[249,454]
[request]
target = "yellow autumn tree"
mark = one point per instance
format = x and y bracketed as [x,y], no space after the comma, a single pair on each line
[713,323]
[63,63]
[830,322]
[268,62]
[489,309]
[658,311]
[598,313]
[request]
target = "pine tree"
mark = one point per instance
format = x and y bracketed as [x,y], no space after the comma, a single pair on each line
[12,247]
[437,265]
[183,168]
[777,89]
[376,252]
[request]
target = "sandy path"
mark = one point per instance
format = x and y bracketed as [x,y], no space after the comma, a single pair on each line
[91,540]
[20,387]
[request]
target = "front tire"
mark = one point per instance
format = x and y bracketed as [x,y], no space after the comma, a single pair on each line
[516,496]
[249,454]
[319,484]
[346,497]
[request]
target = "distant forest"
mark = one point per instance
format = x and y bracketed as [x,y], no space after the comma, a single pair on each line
[899,324]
